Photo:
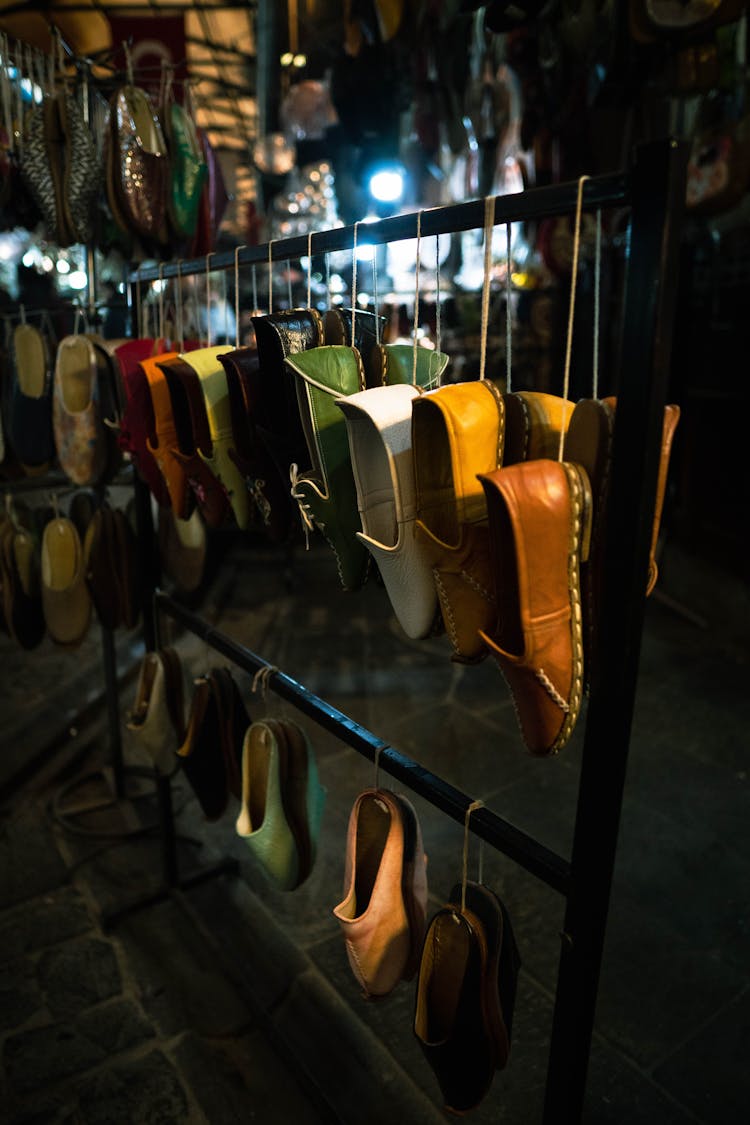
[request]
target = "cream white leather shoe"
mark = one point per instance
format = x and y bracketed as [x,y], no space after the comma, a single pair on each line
[378,423]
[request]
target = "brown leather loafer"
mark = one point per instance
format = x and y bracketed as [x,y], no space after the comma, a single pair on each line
[382,915]
[540,525]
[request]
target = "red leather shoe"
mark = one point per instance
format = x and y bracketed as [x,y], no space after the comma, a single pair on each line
[137,420]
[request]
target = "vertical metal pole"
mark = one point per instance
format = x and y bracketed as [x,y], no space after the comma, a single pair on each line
[91,283]
[658,193]
[113,711]
[270,18]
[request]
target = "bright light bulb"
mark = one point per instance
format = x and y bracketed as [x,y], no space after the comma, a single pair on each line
[387,185]
[77,279]
[63,265]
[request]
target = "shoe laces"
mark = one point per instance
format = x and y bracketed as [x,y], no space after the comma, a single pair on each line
[304,509]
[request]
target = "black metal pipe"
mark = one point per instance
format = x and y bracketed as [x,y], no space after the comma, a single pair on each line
[524,850]
[536,203]
[659,177]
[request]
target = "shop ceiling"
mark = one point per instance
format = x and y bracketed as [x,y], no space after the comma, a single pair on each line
[219,48]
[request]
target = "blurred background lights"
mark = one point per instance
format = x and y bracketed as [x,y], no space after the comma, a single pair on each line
[387,184]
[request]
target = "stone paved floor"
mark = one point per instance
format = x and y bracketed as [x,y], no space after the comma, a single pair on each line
[168,1018]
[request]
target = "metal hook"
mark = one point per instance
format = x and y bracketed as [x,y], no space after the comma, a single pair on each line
[237,294]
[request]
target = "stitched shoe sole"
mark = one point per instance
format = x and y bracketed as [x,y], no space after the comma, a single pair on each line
[578,551]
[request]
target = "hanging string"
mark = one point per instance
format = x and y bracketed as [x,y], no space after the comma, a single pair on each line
[489,222]
[354,279]
[270,277]
[208,303]
[261,680]
[237,296]
[415,327]
[571,312]
[438,339]
[328,279]
[255,289]
[180,324]
[375,300]
[161,300]
[138,309]
[508,309]
[309,269]
[597,299]
[226,305]
[289,282]
[465,868]
[195,313]
[376,780]
[128,63]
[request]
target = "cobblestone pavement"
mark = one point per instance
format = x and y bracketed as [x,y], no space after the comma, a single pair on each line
[232,1002]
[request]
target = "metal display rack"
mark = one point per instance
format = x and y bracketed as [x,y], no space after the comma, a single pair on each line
[653,189]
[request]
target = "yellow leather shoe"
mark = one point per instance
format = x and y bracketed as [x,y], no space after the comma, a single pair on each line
[458,432]
[213,377]
[533,421]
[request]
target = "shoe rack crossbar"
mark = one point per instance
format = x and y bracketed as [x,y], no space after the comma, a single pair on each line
[526,851]
[653,189]
[538,203]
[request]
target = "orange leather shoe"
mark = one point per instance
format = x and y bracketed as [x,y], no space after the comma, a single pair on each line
[457,432]
[540,524]
[163,439]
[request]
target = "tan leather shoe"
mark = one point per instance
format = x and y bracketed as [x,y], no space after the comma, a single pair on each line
[65,597]
[382,915]
[540,525]
[158,716]
[588,442]
[458,431]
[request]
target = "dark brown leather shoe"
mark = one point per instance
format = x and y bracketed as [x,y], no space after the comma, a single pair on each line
[191,434]
[279,335]
[266,485]
[233,723]
[338,330]
[101,562]
[452,1023]
[201,753]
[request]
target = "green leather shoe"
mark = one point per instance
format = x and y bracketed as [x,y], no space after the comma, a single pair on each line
[327,494]
[394,363]
[282,801]
[213,377]
[188,170]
